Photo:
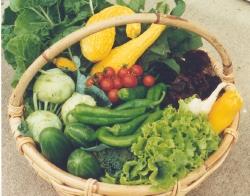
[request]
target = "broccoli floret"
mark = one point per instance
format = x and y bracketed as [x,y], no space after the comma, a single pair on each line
[112,160]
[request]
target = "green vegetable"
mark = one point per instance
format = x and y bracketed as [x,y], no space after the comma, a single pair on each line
[106,137]
[23,48]
[127,94]
[168,149]
[112,160]
[148,103]
[70,104]
[95,92]
[155,92]
[53,86]
[83,164]
[80,134]
[39,120]
[55,146]
[82,110]
[128,127]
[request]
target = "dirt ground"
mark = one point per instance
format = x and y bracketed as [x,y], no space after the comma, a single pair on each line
[229,20]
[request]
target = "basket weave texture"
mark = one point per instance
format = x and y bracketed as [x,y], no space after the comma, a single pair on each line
[69,185]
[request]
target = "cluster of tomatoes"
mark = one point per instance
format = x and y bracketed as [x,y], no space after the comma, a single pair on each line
[110,81]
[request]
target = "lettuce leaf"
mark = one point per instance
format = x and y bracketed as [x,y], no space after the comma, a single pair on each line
[170,148]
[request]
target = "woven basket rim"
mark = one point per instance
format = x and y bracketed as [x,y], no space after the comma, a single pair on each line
[57,176]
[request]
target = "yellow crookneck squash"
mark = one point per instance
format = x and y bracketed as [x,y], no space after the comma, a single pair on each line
[128,53]
[97,46]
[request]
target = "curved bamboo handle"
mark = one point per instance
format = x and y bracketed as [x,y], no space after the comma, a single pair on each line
[73,38]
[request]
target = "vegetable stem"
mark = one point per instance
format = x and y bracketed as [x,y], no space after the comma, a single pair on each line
[46,16]
[91,7]
[46,105]
[58,11]
[70,53]
[35,101]
[55,108]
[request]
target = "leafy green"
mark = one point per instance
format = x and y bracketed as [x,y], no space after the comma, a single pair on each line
[170,148]
[25,48]
[75,7]
[181,41]
[30,22]
[9,17]
[24,129]
[179,8]
[17,5]
[137,5]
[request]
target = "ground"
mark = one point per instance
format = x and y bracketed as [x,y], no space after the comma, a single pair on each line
[229,21]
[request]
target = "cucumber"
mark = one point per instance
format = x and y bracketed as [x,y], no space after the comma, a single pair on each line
[83,164]
[80,134]
[127,94]
[55,146]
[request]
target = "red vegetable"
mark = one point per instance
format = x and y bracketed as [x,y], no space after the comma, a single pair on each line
[117,82]
[109,72]
[148,80]
[123,72]
[137,70]
[106,84]
[113,95]
[129,81]
[90,81]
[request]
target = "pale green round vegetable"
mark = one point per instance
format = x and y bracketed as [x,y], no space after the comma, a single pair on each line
[54,86]
[70,104]
[39,120]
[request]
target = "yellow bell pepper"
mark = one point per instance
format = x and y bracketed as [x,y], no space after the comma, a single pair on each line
[224,110]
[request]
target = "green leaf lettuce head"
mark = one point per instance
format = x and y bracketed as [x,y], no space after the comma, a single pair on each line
[169,149]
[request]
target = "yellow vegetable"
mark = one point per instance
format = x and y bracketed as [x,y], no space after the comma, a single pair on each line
[97,46]
[224,110]
[130,52]
[65,63]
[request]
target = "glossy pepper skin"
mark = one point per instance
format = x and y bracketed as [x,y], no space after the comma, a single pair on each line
[224,110]
[106,137]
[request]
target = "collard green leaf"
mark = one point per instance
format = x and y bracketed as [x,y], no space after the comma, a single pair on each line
[100,5]
[181,41]
[30,22]
[9,17]
[137,5]
[17,5]
[25,48]
[173,65]
[121,2]
[179,8]
[61,34]
[75,7]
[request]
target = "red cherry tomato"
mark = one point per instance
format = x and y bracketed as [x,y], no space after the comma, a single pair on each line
[123,72]
[113,95]
[129,81]
[99,76]
[106,84]
[148,80]
[137,70]
[109,72]
[90,81]
[117,82]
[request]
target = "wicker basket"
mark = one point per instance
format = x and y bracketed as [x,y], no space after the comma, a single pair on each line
[67,184]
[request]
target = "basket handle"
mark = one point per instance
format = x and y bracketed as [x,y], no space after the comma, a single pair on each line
[16,98]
